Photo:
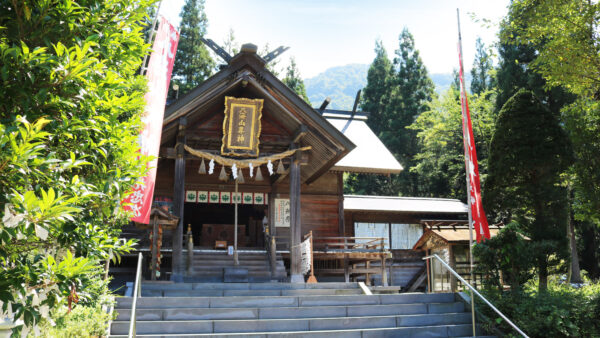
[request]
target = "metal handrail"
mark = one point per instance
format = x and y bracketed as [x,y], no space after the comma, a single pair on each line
[477,293]
[136,294]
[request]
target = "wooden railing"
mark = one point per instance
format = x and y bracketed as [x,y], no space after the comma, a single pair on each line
[357,244]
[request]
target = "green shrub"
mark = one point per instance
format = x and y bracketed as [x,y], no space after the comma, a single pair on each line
[82,321]
[561,311]
[507,255]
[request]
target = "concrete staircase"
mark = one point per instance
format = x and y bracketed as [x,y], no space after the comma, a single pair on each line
[288,310]
[216,266]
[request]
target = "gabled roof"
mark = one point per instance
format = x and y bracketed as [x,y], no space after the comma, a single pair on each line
[246,76]
[370,154]
[447,236]
[404,204]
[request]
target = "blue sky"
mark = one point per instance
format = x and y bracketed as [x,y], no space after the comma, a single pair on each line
[328,33]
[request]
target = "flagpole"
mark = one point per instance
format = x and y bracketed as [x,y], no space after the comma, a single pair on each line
[463,94]
[150,37]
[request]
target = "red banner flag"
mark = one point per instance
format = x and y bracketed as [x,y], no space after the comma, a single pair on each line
[159,77]
[480,223]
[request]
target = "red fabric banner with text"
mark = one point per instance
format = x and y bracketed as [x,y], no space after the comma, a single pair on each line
[158,73]
[480,223]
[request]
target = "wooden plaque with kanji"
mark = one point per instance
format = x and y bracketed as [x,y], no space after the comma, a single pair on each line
[241,126]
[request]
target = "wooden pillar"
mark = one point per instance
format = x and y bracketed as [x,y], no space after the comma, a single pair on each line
[295,220]
[154,247]
[452,263]
[340,177]
[272,245]
[179,197]
[271,211]
[347,269]
[384,279]
[390,235]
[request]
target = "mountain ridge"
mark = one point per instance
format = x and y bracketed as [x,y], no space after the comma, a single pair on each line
[341,83]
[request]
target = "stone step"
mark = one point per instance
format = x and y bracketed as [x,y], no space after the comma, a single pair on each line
[290,312]
[283,301]
[283,325]
[167,285]
[207,269]
[228,293]
[224,256]
[203,278]
[219,262]
[421,331]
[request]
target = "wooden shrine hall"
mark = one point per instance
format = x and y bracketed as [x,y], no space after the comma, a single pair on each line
[243,148]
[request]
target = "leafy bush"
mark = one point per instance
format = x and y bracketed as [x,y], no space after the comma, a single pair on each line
[561,311]
[505,258]
[82,321]
[70,113]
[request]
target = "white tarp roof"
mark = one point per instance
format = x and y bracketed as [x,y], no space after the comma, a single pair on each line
[403,204]
[370,154]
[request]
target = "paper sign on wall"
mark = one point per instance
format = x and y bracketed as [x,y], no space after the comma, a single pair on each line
[282,212]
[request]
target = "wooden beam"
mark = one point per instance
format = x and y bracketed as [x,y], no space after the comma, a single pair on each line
[179,196]
[281,177]
[324,104]
[340,183]
[295,220]
[299,134]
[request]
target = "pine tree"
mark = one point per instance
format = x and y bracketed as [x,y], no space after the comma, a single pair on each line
[514,72]
[193,63]
[411,90]
[293,80]
[376,92]
[374,101]
[528,153]
[482,65]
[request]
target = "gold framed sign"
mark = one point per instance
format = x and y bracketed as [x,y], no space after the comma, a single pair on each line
[241,126]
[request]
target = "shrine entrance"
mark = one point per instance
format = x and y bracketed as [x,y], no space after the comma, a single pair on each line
[215,222]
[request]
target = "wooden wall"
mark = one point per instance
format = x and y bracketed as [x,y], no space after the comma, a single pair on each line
[320,201]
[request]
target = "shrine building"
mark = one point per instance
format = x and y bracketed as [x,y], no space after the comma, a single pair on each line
[244,149]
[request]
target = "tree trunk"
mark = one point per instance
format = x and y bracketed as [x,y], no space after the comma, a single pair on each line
[543,275]
[574,273]
[590,262]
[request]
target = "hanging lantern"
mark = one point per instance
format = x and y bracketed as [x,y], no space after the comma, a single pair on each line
[202,168]
[280,168]
[211,166]
[240,176]
[259,176]
[270,167]
[223,174]
[251,166]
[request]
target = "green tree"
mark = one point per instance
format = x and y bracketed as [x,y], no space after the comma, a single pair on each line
[374,101]
[376,92]
[69,121]
[410,91]
[230,45]
[440,162]
[193,63]
[568,57]
[481,72]
[505,258]
[528,153]
[515,72]
[293,80]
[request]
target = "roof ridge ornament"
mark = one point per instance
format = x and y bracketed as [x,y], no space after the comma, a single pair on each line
[217,49]
[275,53]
